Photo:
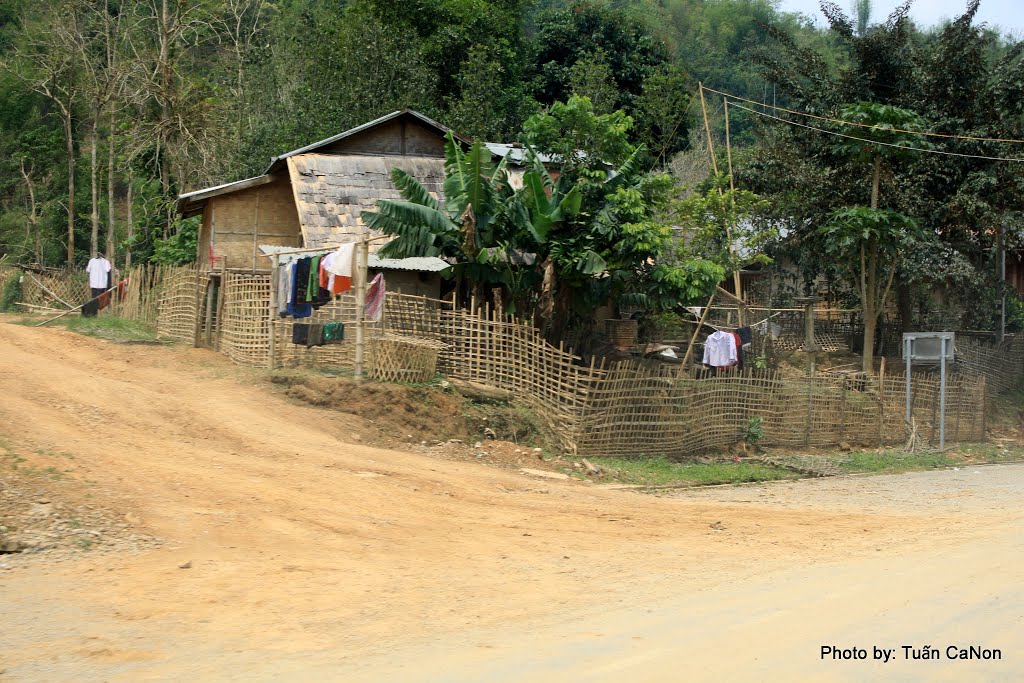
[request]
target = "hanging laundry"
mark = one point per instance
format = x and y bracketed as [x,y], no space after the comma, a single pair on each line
[746,335]
[334,332]
[340,266]
[300,281]
[284,287]
[313,280]
[720,350]
[374,307]
[297,306]
[739,349]
[90,308]
[300,333]
[316,335]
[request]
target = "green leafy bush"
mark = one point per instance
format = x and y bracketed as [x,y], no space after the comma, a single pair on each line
[755,431]
[11,292]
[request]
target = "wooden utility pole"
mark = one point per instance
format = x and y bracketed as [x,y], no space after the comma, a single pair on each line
[737,283]
[736,280]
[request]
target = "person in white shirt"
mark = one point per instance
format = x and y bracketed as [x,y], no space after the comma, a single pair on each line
[98,268]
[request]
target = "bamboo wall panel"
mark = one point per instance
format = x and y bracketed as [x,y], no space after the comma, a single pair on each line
[178,303]
[244,336]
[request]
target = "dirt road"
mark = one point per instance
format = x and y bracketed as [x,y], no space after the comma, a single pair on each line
[311,557]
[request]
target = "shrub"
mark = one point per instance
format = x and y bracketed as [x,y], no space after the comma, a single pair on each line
[11,292]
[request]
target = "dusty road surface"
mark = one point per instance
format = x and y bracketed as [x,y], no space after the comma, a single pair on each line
[293,553]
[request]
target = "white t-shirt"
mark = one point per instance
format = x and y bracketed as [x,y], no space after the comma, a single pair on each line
[98,269]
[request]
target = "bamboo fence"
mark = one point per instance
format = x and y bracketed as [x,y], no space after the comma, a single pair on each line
[178,302]
[56,290]
[628,408]
[1002,364]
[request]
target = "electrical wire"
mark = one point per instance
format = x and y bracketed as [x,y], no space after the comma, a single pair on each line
[861,125]
[876,142]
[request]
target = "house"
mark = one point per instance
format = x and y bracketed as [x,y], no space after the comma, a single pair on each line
[313,197]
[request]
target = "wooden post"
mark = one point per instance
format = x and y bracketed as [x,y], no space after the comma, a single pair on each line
[736,280]
[208,318]
[714,166]
[220,304]
[275,264]
[693,338]
[707,128]
[362,261]
[256,230]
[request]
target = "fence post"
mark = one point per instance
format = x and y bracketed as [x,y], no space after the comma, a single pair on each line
[810,409]
[842,411]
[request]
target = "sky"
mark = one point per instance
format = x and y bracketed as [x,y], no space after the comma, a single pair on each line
[995,13]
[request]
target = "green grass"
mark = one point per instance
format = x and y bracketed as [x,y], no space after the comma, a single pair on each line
[888,462]
[895,461]
[104,327]
[660,471]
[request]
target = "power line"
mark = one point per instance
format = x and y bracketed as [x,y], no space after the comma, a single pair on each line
[861,125]
[876,142]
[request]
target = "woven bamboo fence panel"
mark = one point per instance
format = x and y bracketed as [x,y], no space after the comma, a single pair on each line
[67,288]
[139,298]
[178,303]
[1002,365]
[640,410]
[510,355]
[398,358]
[244,334]
[415,316]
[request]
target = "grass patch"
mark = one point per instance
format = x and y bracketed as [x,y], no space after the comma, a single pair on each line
[660,471]
[103,327]
[895,461]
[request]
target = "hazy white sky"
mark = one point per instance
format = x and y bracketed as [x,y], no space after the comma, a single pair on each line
[1008,15]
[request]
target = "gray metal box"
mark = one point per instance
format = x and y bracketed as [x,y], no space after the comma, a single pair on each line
[925,348]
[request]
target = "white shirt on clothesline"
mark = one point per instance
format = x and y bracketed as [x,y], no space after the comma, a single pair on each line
[720,350]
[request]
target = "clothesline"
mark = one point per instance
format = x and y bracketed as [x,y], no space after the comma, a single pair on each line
[326,248]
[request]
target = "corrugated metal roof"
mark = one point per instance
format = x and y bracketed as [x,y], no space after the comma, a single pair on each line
[421,264]
[513,152]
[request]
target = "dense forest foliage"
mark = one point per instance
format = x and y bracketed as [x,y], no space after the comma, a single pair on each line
[109,109]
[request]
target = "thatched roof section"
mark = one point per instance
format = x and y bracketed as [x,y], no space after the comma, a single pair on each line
[331,192]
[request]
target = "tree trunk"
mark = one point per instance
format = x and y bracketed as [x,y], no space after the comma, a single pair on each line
[869,302]
[94,186]
[876,181]
[69,142]
[905,304]
[546,303]
[870,320]
[111,228]
[129,217]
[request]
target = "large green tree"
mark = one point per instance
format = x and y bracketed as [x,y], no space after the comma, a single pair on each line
[957,79]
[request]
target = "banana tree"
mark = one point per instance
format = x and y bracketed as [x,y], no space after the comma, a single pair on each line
[462,228]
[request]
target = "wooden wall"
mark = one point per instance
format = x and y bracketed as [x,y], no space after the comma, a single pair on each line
[410,282]
[402,137]
[230,220]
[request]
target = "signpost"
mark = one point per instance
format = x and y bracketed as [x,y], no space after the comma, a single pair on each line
[930,348]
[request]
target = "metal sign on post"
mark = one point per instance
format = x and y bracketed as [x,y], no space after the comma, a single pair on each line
[930,348]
